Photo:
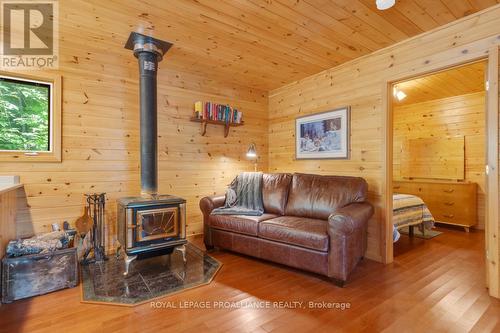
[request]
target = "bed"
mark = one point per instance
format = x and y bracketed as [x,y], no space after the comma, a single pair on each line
[409,211]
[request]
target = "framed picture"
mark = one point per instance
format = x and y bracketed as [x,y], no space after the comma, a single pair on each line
[323,135]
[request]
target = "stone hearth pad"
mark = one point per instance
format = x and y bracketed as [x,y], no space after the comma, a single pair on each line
[148,279]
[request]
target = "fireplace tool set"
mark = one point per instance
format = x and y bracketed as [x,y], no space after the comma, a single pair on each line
[93,220]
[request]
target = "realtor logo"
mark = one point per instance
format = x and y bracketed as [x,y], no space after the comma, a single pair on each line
[29,34]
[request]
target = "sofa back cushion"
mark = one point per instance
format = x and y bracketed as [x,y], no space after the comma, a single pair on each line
[316,196]
[275,192]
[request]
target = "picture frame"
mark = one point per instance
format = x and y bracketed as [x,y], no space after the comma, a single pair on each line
[323,135]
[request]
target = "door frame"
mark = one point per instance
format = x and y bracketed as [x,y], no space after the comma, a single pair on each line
[492,227]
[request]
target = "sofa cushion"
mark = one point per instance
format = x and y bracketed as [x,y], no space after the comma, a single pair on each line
[317,197]
[275,192]
[239,223]
[299,231]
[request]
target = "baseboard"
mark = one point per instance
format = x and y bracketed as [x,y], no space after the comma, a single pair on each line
[374,256]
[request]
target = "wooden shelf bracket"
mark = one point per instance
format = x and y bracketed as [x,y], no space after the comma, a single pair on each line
[226,125]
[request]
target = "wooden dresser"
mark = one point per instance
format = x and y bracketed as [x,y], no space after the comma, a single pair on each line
[449,202]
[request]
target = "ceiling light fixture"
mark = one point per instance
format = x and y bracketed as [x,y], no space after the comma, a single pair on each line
[400,95]
[385,4]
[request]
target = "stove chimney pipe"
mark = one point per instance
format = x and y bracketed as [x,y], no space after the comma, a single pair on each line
[149,52]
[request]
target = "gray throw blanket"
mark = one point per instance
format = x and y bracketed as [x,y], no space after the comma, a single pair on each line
[247,189]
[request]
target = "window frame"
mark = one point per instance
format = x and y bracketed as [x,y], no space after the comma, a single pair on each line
[55,134]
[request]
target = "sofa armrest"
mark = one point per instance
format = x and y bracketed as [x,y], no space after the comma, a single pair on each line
[207,205]
[349,218]
[347,229]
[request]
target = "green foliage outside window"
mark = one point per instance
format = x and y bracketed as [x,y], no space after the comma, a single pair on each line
[24,116]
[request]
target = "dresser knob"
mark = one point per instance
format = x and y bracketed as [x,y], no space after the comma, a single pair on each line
[396,187]
[448,215]
[449,191]
[451,203]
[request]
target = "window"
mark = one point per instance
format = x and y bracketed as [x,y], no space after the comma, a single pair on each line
[29,118]
[24,115]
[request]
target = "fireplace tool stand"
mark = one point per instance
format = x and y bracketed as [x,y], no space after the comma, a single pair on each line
[96,204]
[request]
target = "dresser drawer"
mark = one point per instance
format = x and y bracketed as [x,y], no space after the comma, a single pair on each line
[455,218]
[466,210]
[447,192]
[444,216]
[458,205]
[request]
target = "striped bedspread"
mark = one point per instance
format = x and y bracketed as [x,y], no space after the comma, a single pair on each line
[410,210]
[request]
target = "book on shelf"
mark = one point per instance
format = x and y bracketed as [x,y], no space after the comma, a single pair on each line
[217,112]
[198,109]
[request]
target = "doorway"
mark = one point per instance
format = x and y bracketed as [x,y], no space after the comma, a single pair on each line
[397,91]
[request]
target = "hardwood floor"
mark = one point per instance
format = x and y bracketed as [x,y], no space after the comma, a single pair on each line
[433,286]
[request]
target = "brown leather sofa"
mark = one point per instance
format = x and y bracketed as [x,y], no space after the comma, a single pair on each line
[311,222]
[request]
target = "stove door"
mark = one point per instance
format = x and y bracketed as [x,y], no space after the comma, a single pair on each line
[157,223]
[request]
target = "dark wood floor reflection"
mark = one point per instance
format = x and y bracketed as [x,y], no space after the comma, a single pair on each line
[433,286]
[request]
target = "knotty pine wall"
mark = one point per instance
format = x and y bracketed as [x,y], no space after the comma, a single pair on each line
[361,84]
[7,218]
[441,118]
[100,116]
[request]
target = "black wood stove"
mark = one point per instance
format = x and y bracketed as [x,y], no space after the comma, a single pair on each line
[150,224]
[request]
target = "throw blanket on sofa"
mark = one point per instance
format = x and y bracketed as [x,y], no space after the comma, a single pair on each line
[244,196]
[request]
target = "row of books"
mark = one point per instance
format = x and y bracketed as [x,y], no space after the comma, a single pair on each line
[218,112]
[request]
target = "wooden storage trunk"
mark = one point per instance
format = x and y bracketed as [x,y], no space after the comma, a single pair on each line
[38,274]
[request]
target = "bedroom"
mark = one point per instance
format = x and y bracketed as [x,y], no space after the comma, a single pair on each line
[439,154]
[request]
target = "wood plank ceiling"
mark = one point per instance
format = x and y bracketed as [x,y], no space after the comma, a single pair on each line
[265,44]
[457,81]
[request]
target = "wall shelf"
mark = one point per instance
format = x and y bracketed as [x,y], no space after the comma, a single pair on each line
[226,125]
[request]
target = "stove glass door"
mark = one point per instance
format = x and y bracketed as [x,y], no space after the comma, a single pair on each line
[157,223]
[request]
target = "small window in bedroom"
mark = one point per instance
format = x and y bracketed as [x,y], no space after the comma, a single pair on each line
[29,118]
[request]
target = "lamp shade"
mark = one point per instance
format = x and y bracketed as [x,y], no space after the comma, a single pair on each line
[385,4]
[251,152]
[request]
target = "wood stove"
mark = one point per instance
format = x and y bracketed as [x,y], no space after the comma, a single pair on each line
[149,224]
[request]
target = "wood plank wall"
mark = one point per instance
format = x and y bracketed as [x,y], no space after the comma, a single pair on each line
[462,116]
[8,209]
[100,117]
[361,83]
[493,180]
